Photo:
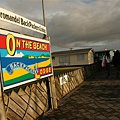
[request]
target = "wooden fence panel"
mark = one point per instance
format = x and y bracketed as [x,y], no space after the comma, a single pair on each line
[75,78]
[11,115]
[58,89]
[28,103]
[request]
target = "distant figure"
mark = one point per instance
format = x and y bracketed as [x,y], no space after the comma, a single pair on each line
[96,58]
[108,61]
[116,62]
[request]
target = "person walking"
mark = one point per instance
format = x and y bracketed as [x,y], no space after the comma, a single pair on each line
[116,62]
[107,58]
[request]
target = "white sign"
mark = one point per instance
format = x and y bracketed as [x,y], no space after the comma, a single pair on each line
[63,80]
[10,17]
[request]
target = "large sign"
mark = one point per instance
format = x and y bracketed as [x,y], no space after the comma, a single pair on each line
[10,17]
[23,59]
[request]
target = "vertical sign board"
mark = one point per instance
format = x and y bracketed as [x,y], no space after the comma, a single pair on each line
[23,59]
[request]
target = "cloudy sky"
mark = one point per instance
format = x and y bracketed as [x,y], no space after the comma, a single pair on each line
[72,23]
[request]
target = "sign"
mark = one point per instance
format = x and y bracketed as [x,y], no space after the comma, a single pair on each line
[23,59]
[10,17]
[63,79]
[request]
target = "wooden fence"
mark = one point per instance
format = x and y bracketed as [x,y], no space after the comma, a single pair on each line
[74,78]
[29,101]
[26,103]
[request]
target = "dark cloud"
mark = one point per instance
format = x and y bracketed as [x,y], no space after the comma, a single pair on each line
[73,23]
[31,9]
[88,1]
[87,24]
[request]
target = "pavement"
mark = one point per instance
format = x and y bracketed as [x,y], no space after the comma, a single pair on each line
[97,98]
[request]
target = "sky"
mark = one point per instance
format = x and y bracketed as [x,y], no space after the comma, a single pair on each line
[75,24]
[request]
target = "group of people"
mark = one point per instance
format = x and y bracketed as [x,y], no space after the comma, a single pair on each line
[115,60]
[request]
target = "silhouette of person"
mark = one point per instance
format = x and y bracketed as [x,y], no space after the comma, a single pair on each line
[116,62]
[108,61]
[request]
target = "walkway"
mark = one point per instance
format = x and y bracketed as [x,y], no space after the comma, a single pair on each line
[97,98]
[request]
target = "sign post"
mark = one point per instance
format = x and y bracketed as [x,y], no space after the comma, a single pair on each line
[51,78]
[53,92]
[2,107]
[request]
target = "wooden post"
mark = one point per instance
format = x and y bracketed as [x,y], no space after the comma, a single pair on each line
[43,13]
[2,106]
[52,92]
[51,78]
[44,20]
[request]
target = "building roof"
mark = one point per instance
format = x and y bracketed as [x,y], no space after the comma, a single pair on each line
[71,51]
[101,51]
